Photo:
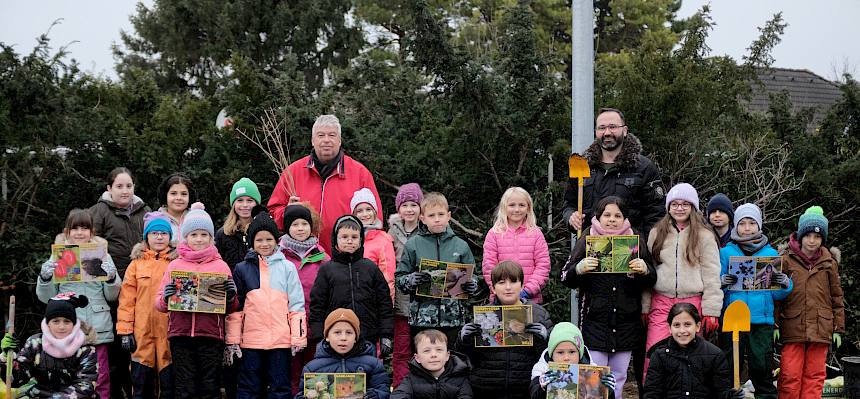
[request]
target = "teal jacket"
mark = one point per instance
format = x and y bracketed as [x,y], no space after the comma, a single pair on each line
[447,247]
[759,302]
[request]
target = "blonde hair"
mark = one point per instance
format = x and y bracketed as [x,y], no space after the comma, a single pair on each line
[325,121]
[433,199]
[501,224]
[697,226]
[233,225]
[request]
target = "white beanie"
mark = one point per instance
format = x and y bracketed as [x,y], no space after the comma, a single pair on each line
[748,211]
[363,196]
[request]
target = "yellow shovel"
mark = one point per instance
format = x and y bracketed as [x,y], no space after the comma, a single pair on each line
[579,170]
[736,319]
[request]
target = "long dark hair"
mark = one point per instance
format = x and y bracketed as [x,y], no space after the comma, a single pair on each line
[618,201]
[684,307]
[176,178]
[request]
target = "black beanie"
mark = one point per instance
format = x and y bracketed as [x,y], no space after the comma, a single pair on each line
[723,203]
[296,211]
[63,305]
[261,221]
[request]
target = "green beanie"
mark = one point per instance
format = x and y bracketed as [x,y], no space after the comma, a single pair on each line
[565,332]
[245,188]
[812,220]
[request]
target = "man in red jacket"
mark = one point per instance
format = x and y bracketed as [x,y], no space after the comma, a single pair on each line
[326,179]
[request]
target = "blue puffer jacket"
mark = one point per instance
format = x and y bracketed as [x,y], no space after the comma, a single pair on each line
[361,359]
[759,302]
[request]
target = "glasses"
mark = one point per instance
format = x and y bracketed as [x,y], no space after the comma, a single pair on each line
[684,205]
[612,128]
[159,233]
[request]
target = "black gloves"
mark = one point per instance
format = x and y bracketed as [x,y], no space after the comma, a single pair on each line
[417,278]
[169,291]
[230,288]
[128,343]
[537,329]
[385,347]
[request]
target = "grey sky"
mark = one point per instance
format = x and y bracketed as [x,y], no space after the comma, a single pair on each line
[821,36]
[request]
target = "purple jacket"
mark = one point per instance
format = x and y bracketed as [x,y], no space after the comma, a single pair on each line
[308,271]
[525,246]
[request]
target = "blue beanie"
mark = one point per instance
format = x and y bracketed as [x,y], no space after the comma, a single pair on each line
[812,220]
[720,202]
[156,221]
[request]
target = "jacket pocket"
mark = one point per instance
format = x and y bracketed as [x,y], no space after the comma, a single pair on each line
[101,320]
[825,322]
[790,312]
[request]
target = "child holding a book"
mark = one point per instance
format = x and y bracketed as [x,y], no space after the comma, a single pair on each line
[435,240]
[269,326]
[812,316]
[611,302]
[95,312]
[352,281]
[196,339]
[141,329]
[685,365]
[61,361]
[747,239]
[503,372]
[343,351]
[515,236]
[435,372]
[565,346]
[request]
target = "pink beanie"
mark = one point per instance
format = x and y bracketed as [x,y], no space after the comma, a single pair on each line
[684,192]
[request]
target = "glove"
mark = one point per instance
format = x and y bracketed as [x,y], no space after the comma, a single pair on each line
[782,279]
[586,265]
[549,377]
[296,349]
[417,278]
[230,351]
[469,330]
[9,343]
[470,287]
[230,288]
[775,335]
[47,272]
[110,269]
[608,381]
[837,340]
[128,343]
[385,347]
[728,280]
[169,291]
[537,329]
[709,325]
[737,393]
[371,394]
[524,295]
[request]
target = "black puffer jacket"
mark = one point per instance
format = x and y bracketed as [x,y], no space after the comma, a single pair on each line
[354,282]
[633,177]
[506,372]
[452,384]
[698,371]
[232,248]
[611,303]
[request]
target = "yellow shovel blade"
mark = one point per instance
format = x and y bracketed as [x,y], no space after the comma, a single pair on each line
[737,317]
[578,167]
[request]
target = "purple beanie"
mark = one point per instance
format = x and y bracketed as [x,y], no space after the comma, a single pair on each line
[408,192]
[684,192]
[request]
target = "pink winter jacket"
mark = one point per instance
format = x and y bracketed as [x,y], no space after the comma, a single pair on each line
[379,248]
[525,246]
[307,271]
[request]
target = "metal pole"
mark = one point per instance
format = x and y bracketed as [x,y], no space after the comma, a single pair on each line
[582,94]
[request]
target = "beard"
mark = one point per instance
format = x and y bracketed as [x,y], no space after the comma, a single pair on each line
[610,143]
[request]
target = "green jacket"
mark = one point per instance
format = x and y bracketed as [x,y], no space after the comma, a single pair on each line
[445,246]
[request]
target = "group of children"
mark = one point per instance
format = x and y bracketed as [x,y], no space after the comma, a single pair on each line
[293,309]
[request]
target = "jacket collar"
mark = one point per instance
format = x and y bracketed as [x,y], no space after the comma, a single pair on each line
[340,170]
[458,364]
[628,158]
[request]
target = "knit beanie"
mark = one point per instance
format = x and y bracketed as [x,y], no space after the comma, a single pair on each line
[684,192]
[565,332]
[342,314]
[262,221]
[721,202]
[156,221]
[63,305]
[408,192]
[812,220]
[294,212]
[245,187]
[196,219]
[748,211]
[363,196]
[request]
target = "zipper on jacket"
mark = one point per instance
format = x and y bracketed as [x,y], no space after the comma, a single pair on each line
[677,242]
[351,287]
[438,251]
[322,191]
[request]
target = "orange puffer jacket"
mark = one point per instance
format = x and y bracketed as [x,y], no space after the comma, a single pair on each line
[136,314]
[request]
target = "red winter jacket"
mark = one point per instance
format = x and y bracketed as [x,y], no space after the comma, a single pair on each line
[330,198]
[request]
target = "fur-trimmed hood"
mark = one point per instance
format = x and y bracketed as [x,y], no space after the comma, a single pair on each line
[628,158]
[138,251]
[61,239]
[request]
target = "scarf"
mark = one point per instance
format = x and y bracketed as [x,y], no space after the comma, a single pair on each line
[797,248]
[725,238]
[62,348]
[325,169]
[300,248]
[376,225]
[201,256]
[598,230]
[751,244]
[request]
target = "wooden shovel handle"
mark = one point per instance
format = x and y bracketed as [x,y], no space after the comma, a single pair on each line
[737,361]
[579,206]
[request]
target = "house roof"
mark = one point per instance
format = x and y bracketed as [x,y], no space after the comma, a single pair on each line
[805,90]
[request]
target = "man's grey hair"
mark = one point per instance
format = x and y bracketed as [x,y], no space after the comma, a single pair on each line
[326,120]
